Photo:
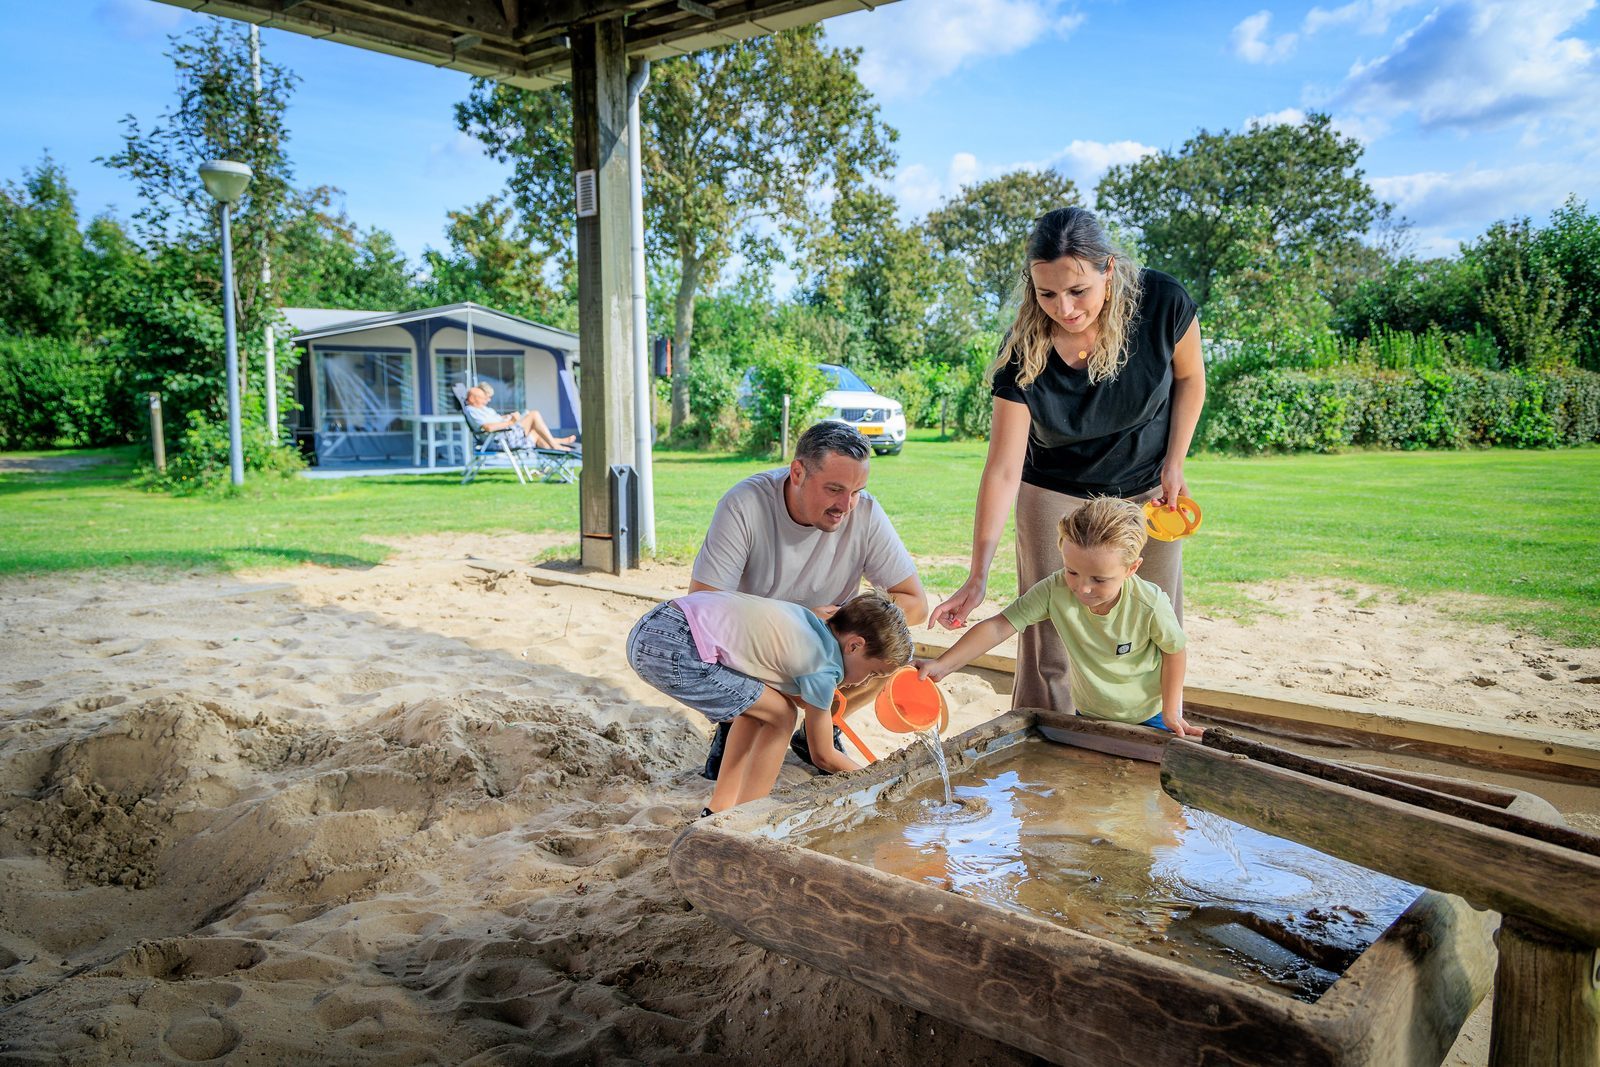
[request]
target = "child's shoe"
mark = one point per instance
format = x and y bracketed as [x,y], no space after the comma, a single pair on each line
[802,748]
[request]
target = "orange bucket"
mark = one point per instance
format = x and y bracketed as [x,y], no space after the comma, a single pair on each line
[907,703]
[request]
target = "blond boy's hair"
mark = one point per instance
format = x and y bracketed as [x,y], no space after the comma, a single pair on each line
[1106,522]
[876,617]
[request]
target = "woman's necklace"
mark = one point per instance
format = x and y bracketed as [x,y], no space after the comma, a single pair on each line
[1066,343]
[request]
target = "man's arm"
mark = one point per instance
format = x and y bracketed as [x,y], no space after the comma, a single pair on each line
[912,598]
[696,586]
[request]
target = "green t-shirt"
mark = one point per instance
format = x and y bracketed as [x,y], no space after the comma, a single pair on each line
[1116,657]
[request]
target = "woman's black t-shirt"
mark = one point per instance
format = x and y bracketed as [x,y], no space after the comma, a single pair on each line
[1109,438]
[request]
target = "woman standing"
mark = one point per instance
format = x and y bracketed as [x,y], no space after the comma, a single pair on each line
[1097,390]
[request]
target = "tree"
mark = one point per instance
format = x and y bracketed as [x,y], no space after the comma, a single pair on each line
[219,115]
[737,143]
[882,278]
[1201,211]
[986,225]
[494,260]
[1524,302]
[324,260]
[41,256]
[1569,249]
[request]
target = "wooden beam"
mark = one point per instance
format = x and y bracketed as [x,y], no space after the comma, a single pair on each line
[605,326]
[1554,886]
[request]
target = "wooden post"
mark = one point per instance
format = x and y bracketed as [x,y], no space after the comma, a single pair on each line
[158,440]
[605,330]
[1544,978]
[783,443]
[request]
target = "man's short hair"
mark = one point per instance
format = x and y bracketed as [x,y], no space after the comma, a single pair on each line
[830,438]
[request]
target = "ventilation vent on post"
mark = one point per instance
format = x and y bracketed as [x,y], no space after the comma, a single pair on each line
[588,203]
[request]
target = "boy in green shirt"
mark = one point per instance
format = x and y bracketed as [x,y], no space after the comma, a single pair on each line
[1123,639]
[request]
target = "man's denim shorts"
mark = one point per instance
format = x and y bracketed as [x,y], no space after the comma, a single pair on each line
[661,650]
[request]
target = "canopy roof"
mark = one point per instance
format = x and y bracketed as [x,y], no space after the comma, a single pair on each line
[316,324]
[524,42]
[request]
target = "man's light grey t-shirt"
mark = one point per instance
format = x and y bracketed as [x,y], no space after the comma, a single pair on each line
[753,546]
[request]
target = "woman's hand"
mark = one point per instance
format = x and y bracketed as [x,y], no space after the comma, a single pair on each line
[1173,484]
[953,613]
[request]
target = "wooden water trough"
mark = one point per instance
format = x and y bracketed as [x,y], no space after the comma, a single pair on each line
[1058,993]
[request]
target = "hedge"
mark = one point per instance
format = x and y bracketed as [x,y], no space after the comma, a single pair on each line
[58,393]
[1322,411]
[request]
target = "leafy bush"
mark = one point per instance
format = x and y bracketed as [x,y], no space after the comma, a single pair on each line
[55,392]
[780,367]
[972,403]
[1326,410]
[201,460]
[715,420]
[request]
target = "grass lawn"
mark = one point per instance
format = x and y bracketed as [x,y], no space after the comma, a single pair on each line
[1520,530]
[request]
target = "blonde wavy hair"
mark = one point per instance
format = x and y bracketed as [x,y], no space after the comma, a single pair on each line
[1106,522]
[1072,232]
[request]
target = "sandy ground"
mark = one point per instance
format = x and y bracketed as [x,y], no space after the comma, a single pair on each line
[420,814]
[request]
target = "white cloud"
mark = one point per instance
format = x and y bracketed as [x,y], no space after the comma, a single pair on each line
[907,47]
[918,189]
[1251,43]
[1365,16]
[1448,207]
[1363,129]
[1480,64]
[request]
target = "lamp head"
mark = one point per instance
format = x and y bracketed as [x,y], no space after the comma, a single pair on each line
[225,180]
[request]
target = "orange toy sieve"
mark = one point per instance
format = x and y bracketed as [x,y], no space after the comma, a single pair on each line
[907,703]
[1165,524]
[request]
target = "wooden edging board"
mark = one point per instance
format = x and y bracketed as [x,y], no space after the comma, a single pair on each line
[1559,753]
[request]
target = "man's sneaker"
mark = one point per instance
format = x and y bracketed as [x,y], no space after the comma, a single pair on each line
[802,748]
[719,741]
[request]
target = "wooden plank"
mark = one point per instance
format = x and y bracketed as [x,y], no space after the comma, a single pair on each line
[1576,754]
[1057,993]
[1404,1000]
[1112,738]
[1489,867]
[1423,796]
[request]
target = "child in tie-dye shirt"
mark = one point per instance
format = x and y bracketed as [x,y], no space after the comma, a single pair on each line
[754,661]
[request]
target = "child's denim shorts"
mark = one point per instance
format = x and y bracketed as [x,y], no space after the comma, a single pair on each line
[662,651]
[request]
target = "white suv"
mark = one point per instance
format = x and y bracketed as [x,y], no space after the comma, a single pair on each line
[881,421]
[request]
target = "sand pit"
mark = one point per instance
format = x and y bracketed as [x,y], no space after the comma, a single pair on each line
[420,813]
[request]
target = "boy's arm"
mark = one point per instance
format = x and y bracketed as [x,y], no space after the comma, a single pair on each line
[974,643]
[1173,665]
[819,739]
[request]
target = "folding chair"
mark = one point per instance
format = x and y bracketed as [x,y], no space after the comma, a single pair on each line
[547,464]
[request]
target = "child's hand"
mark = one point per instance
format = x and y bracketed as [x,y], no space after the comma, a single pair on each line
[1172,719]
[930,670]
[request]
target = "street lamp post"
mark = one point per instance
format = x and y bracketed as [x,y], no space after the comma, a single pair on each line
[226,182]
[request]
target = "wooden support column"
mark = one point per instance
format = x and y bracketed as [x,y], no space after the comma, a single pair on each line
[605,328]
[1546,999]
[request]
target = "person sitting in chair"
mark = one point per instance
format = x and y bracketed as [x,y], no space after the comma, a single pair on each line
[528,428]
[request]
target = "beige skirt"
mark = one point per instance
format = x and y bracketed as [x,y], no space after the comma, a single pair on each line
[1044,674]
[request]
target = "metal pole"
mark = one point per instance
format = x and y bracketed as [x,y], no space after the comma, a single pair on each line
[235,443]
[783,446]
[269,338]
[643,389]
[158,440]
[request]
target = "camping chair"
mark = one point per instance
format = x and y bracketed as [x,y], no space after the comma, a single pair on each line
[528,461]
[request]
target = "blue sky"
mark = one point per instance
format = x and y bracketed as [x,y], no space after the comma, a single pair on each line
[1470,110]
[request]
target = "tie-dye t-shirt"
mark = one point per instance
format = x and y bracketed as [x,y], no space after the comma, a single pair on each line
[782,644]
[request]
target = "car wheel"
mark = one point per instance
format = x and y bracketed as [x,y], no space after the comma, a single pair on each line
[895,451]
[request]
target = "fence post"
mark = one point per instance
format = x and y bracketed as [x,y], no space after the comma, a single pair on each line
[783,446]
[944,408]
[157,441]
